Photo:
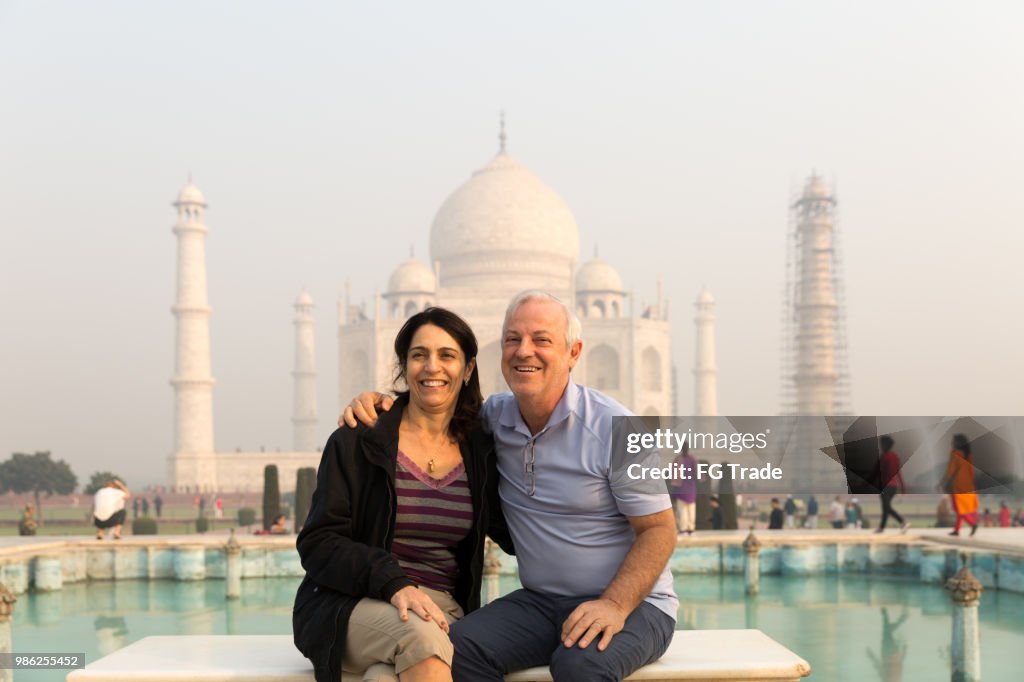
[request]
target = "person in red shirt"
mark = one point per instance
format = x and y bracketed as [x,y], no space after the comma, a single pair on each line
[891,483]
[1004,515]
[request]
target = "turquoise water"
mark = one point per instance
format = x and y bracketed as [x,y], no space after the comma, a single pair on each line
[838,623]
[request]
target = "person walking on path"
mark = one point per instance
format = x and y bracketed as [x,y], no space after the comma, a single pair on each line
[891,483]
[790,508]
[775,517]
[812,512]
[958,482]
[837,513]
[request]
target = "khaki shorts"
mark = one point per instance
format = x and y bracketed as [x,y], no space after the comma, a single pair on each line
[380,644]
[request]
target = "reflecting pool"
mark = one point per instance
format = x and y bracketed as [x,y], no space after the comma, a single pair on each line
[848,627]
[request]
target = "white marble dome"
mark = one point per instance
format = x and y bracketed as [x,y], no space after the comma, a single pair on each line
[190,194]
[411,276]
[598,275]
[705,297]
[304,298]
[504,223]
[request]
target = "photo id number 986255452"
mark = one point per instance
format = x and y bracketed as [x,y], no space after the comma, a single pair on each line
[41,661]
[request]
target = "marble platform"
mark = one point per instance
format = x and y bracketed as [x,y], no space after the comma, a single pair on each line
[694,655]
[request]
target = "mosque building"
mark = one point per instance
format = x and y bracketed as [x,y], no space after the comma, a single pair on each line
[500,232]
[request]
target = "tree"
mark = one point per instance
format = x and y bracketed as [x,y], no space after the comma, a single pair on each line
[99,480]
[36,474]
[305,483]
[271,496]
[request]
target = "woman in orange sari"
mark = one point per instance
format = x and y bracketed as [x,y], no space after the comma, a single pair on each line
[959,483]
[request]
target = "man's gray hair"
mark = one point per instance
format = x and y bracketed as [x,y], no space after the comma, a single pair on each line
[573,327]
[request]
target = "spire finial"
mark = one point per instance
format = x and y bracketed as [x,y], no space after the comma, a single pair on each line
[412,250]
[501,133]
[190,177]
[595,249]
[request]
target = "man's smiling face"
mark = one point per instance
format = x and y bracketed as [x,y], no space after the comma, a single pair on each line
[535,359]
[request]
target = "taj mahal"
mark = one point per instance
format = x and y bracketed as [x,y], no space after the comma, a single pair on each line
[502,231]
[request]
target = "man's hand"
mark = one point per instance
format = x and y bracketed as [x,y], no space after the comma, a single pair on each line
[364,407]
[414,599]
[590,619]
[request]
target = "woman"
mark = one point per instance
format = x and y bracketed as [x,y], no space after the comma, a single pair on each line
[393,544]
[959,483]
[108,508]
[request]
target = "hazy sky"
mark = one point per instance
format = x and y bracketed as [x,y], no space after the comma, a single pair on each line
[326,135]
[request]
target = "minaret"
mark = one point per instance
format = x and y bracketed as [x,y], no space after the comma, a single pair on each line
[815,311]
[304,419]
[193,464]
[705,401]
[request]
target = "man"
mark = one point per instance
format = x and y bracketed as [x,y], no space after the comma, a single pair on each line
[597,601]
[775,517]
[812,512]
[717,520]
[790,508]
[837,514]
[891,483]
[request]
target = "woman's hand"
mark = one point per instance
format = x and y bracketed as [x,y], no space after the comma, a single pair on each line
[416,600]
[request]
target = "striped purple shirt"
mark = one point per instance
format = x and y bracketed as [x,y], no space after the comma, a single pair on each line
[434,515]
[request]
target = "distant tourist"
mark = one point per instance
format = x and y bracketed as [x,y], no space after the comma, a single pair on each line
[279,526]
[158,504]
[943,517]
[986,518]
[812,513]
[218,508]
[851,515]
[145,506]
[775,518]
[1018,519]
[790,509]
[135,508]
[958,482]
[683,491]
[717,521]
[28,524]
[890,483]
[1004,515]
[837,513]
[108,508]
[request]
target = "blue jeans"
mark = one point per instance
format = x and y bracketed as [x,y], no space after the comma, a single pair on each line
[523,629]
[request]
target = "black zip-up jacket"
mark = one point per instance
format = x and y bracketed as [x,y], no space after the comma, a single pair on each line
[345,544]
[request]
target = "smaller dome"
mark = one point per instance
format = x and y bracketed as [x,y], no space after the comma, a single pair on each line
[705,297]
[304,298]
[597,275]
[410,276]
[190,194]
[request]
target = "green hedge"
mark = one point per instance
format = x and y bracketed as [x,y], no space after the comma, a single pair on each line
[144,525]
[246,516]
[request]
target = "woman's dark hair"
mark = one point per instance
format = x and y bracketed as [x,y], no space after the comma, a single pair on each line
[961,443]
[467,407]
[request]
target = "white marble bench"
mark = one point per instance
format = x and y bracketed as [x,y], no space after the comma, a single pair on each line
[705,655]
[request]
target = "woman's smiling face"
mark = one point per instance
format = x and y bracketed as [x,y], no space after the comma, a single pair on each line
[435,369]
